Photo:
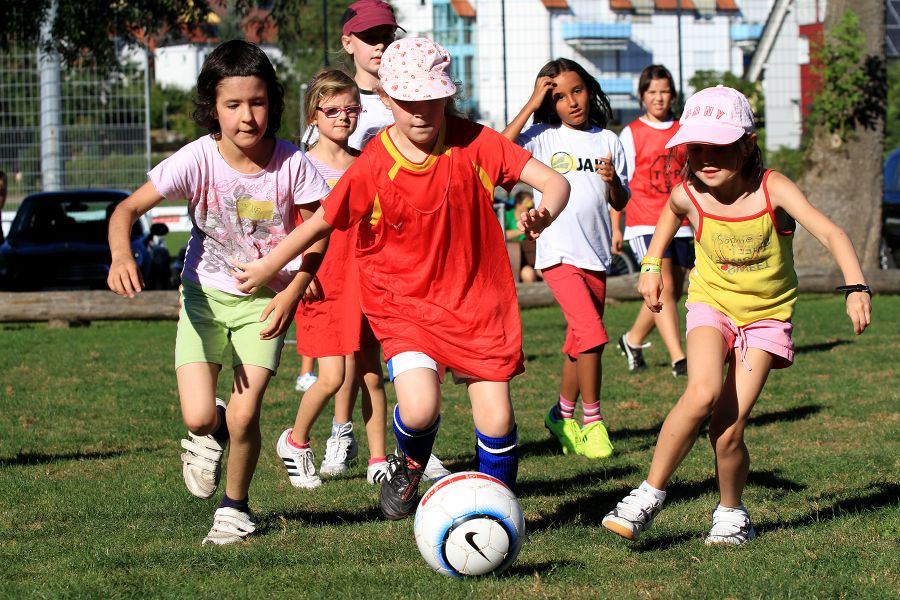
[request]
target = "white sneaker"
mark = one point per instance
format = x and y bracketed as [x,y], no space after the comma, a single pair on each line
[202,462]
[434,469]
[305,381]
[301,464]
[376,473]
[634,514]
[731,526]
[340,449]
[229,527]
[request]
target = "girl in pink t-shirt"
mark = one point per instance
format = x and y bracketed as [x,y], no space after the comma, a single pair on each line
[242,186]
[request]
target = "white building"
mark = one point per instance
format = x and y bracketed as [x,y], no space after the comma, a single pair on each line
[499,45]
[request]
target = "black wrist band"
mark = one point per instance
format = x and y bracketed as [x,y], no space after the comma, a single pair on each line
[856,287]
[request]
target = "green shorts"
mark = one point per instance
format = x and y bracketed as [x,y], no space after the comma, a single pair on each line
[212,321]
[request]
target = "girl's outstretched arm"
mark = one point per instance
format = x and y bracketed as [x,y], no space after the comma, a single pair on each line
[541,87]
[284,305]
[124,277]
[253,275]
[554,190]
[650,283]
[785,195]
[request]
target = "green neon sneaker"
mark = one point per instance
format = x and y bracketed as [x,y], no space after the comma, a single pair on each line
[596,441]
[567,432]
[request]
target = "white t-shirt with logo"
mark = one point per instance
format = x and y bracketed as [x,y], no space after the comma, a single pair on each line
[236,216]
[375,116]
[581,234]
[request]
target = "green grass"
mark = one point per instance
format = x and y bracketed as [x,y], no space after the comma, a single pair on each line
[92,503]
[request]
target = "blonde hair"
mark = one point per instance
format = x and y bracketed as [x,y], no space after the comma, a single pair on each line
[325,84]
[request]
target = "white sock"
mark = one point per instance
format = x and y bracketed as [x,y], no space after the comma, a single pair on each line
[660,494]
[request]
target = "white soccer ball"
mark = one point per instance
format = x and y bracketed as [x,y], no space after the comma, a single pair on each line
[469,523]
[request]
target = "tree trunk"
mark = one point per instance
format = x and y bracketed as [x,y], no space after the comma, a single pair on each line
[844,179]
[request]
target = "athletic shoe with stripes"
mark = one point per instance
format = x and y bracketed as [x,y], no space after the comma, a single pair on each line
[400,489]
[375,473]
[634,514]
[634,355]
[230,526]
[730,526]
[300,463]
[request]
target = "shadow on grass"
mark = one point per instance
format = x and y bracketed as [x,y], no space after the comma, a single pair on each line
[798,413]
[547,487]
[823,347]
[523,570]
[874,497]
[591,508]
[39,458]
[268,523]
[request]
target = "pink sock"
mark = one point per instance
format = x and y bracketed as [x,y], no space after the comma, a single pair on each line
[565,409]
[293,444]
[591,412]
[377,459]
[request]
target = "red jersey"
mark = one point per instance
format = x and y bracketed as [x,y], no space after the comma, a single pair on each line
[333,325]
[434,274]
[655,174]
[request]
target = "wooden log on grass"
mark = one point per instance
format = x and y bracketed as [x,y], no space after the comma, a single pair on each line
[86,306]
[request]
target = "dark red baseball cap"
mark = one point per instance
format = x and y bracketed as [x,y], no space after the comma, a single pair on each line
[366,14]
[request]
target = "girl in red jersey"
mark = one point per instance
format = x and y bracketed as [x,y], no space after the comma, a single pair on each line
[653,174]
[330,324]
[435,281]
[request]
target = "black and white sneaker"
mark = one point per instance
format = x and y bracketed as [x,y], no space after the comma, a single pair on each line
[400,488]
[634,356]
[679,368]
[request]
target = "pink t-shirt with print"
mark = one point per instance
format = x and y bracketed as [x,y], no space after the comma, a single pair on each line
[236,216]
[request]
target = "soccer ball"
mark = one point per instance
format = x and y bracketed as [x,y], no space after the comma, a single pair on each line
[469,523]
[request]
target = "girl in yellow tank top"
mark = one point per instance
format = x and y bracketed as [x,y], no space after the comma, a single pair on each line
[740,301]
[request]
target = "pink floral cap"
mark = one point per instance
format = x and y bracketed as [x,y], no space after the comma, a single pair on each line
[717,115]
[416,69]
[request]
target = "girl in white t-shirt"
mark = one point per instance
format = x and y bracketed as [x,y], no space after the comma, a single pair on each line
[242,186]
[570,113]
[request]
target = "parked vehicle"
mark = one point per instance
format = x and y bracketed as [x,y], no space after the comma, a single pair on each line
[890,213]
[58,241]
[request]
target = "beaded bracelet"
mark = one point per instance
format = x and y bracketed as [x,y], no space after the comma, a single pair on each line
[650,268]
[649,260]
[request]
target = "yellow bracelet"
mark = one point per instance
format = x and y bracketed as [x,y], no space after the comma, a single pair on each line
[650,269]
[649,260]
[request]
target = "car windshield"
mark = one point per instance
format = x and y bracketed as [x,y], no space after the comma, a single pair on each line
[51,218]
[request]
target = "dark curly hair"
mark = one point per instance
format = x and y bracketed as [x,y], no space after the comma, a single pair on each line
[236,58]
[599,110]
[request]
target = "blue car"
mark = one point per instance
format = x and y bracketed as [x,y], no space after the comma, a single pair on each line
[58,241]
[890,213]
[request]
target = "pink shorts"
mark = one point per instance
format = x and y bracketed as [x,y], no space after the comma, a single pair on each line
[771,335]
[581,295]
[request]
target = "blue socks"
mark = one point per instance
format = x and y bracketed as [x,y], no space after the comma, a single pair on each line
[221,434]
[414,443]
[241,505]
[499,456]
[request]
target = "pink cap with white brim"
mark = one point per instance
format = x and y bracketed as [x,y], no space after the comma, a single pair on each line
[717,115]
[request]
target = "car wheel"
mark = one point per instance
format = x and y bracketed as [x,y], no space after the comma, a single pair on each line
[622,264]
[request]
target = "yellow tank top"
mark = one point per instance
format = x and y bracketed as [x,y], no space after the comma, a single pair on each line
[744,265]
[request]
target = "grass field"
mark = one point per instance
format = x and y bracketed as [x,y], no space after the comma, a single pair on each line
[92,504]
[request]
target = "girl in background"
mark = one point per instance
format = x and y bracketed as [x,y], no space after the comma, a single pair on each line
[570,113]
[653,172]
[243,187]
[330,323]
[740,301]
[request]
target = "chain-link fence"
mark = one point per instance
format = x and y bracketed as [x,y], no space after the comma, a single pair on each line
[71,127]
